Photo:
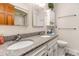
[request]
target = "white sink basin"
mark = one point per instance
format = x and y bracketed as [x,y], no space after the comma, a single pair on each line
[45,36]
[20,45]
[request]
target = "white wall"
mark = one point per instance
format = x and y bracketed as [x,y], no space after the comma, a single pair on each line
[71,36]
[12,30]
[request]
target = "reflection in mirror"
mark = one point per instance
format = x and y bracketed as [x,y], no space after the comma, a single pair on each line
[20,17]
[10,15]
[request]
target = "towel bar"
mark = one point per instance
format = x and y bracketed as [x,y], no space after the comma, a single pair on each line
[67,16]
[67,28]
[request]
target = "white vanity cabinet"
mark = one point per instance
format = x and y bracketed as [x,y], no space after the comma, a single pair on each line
[52,47]
[47,49]
[40,51]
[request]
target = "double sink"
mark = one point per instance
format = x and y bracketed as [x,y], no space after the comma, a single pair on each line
[23,44]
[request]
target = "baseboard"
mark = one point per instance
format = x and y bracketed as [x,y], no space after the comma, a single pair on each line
[73,52]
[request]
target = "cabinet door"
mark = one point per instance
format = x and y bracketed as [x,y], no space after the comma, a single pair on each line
[10,20]
[50,51]
[1,6]
[2,19]
[9,8]
[55,50]
[52,47]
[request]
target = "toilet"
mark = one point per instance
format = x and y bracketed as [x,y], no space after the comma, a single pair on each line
[61,47]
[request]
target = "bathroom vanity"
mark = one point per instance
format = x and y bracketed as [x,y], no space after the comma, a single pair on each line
[47,49]
[43,46]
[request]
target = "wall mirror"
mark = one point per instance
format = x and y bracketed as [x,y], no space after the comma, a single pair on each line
[9,15]
[38,17]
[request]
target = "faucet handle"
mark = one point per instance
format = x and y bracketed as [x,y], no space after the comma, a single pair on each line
[19,36]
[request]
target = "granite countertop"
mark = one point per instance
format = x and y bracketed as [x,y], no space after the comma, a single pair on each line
[37,41]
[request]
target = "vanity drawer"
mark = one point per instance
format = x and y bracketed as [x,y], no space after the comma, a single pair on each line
[41,51]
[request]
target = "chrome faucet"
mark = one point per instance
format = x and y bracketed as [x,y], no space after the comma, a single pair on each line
[18,37]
